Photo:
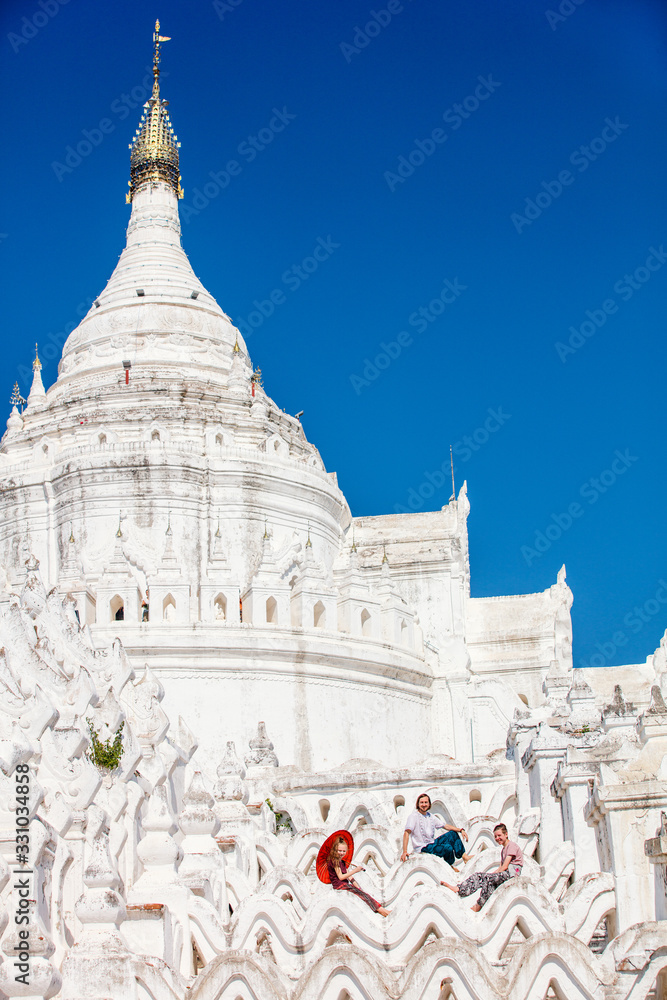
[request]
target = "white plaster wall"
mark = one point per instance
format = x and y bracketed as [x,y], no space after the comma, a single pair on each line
[313,723]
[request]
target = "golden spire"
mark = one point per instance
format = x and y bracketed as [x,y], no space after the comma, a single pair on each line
[119,533]
[384,557]
[37,364]
[237,349]
[154,149]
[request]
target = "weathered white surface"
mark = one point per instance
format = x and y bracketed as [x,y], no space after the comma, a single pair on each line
[163,879]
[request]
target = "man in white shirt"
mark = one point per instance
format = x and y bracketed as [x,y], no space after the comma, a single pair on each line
[421,826]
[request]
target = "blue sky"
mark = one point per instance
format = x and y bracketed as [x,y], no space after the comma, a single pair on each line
[487,181]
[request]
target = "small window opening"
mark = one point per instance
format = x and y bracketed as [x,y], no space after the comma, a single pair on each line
[117,609]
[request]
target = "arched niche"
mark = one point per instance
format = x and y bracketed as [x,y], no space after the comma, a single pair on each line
[117,608]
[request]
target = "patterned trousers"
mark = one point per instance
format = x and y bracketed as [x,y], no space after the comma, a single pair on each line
[449,847]
[353,887]
[489,882]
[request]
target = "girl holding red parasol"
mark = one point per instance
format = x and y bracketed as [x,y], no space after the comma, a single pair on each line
[332,863]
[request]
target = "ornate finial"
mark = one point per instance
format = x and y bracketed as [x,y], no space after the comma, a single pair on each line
[37,364]
[71,533]
[154,155]
[217,530]
[257,377]
[384,556]
[16,399]
[119,533]
[157,38]
[266,530]
[237,349]
[309,544]
[168,531]
[354,544]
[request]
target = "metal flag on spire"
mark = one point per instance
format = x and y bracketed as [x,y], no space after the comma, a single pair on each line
[157,38]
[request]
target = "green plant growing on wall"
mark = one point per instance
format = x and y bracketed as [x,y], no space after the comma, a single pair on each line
[283,820]
[107,754]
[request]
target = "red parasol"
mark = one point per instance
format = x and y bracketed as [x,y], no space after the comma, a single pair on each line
[323,854]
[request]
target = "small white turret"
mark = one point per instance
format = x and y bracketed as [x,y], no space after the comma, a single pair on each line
[37,391]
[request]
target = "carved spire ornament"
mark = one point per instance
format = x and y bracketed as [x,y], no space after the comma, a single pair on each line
[16,399]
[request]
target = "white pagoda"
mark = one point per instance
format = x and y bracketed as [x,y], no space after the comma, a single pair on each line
[180,574]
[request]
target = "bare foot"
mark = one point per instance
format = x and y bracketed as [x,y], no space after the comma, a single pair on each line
[384,912]
[454,869]
[454,888]
[476,908]
[467,857]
